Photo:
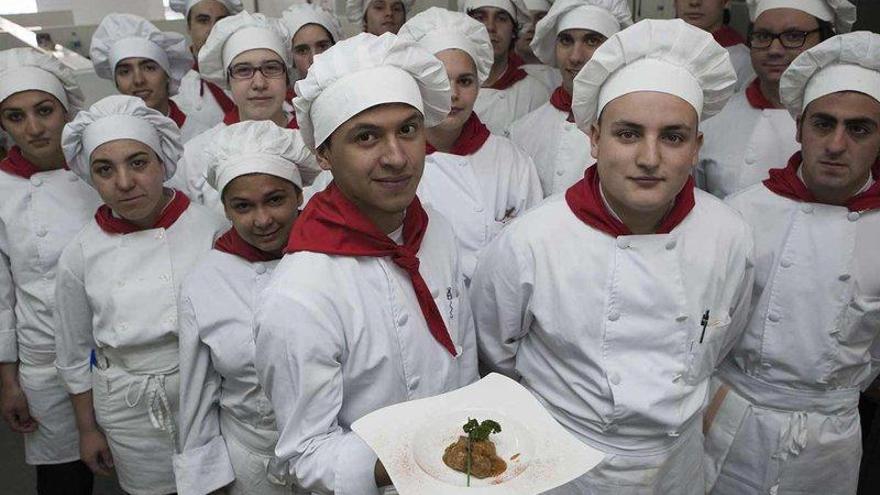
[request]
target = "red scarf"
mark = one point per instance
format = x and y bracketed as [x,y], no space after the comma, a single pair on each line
[176,114]
[332,224]
[513,74]
[756,97]
[585,201]
[786,183]
[232,117]
[232,243]
[561,100]
[727,36]
[113,225]
[16,164]
[220,96]
[473,135]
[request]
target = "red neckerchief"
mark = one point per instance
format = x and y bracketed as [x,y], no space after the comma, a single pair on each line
[786,183]
[756,97]
[113,225]
[220,96]
[561,100]
[727,36]
[332,224]
[232,117]
[16,164]
[585,200]
[513,74]
[473,135]
[231,242]
[291,94]
[176,114]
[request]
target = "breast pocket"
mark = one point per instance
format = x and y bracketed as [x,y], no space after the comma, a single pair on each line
[704,350]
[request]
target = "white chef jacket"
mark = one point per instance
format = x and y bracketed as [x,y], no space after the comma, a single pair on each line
[812,342]
[741,144]
[741,58]
[38,217]
[560,150]
[480,193]
[196,104]
[498,108]
[550,76]
[605,331]
[340,336]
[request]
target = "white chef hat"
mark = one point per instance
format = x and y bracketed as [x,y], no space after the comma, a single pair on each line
[605,17]
[364,71]
[438,29]
[299,15]
[119,117]
[357,9]
[535,5]
[121,36]
[258,147]
[23,69]
[840,13]
[237,34]
[183,6]
[667,56]
[846,62]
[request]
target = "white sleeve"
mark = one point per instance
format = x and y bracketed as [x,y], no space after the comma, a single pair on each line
[74,337]
[301,371]
[8,336]
[500,293]
[202,464]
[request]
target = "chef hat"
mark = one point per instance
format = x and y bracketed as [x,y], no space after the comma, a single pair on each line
[438,29]
[183,6]
[605,17]
[535,5]
[121,36]
[297,16]
[667,56]
[119,117]
[846,62]
[237,34]
[364,71]
[258,147]
[841,13]
[23,69]
[357,9]
[516,8]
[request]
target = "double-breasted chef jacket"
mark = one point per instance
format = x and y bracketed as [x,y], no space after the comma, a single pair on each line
[789,422]
[341,336]
[743,142]
[479,192]
[40,213]
[117,294]
[225,418]
[607,332]
[500,107]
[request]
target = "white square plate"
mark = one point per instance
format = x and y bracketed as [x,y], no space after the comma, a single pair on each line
[410,439]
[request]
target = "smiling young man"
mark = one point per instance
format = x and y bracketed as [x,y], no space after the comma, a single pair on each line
[754,133]
[709,15]
[785,415]
[368,307]
[566,39]
[614,302]
[200,99]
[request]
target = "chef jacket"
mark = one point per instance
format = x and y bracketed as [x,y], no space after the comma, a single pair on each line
[607,332]
[120,291]
[741,58]
[217,373]
[479,193]
[498,108]
[197,103]
[741,144]
[341,336]
[560,150]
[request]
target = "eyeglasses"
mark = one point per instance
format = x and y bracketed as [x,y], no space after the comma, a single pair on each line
[272,69]
[788,39]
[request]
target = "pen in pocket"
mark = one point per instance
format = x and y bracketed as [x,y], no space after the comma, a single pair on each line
[704,322]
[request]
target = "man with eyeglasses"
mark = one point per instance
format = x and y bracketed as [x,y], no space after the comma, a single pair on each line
[247,54]
[754,133]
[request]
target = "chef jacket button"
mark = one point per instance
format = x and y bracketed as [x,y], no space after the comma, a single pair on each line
[785,263]
[502,96]
[458,351]
[622,243]
[121,283]
[853,216]
[41,232]
[435,293]
[614,316]
[260,268]
[750,161]
[681,318]
[160,234]
[560,172]
[614,377]
[164,278]
[773,317]
[36,181]
[673,434]
[807,208]
[401,320]
[670,245]
[844,277]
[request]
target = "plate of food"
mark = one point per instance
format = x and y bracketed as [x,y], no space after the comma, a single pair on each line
[491,437]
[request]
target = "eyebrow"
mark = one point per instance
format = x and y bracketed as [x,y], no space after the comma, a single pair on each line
[633,125]
[854,120]
[17,109]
